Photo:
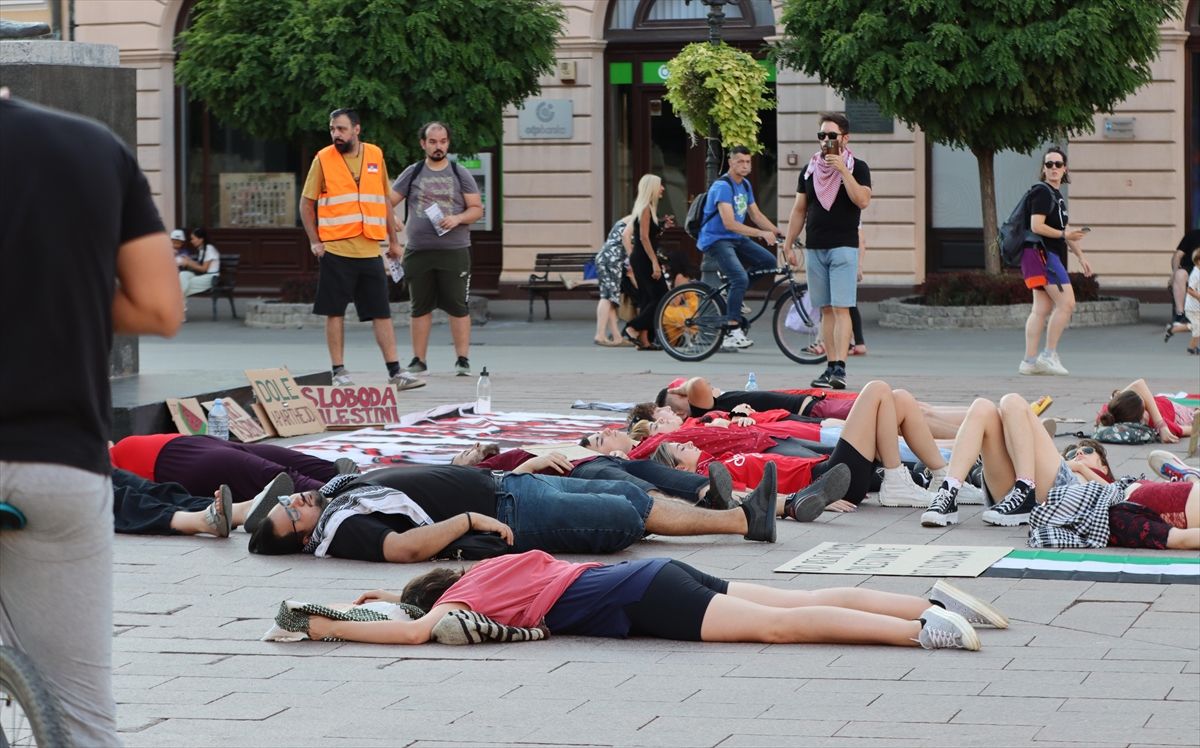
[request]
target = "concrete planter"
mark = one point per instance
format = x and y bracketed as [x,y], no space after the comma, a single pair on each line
[908,313]
[277,315]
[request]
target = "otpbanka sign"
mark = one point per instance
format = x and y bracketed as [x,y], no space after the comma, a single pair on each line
[353,407]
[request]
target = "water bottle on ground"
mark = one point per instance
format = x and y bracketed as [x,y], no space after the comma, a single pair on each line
[751,383]
[218,421]
[483,394]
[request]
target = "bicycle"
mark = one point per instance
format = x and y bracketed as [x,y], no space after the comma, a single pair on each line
[690,321]
[30,714]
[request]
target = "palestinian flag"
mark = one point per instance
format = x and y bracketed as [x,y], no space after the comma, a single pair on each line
[1098,567]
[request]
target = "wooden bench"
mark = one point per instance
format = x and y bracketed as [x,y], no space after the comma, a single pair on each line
[546,277]
[226,283]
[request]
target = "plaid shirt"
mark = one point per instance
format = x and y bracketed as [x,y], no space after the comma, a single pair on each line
[1076,515]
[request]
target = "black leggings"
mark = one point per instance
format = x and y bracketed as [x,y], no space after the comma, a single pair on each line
[674,604]
[862,470]
[856,325]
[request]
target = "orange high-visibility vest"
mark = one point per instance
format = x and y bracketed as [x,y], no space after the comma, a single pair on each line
[346,208]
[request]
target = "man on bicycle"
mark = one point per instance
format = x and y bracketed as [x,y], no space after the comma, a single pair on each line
[726,238]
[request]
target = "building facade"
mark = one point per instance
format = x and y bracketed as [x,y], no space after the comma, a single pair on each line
[570,159]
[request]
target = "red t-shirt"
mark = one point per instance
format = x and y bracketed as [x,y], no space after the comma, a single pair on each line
[137,454]
[793,473]
[711,439]
[516,590]
[511,459]
[1166,409]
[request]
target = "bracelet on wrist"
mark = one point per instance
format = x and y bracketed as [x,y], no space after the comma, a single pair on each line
[470,527]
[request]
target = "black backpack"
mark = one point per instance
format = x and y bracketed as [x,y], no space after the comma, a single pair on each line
[696,219]
[1015,234]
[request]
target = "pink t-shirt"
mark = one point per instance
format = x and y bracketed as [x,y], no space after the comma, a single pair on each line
[517,590]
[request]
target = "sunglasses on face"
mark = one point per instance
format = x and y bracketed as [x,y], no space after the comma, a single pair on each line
[828,135]
[1055,164]
[1073,451]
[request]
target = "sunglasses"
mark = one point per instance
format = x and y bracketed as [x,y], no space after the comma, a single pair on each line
[828,135]
[1055,164]
[1070,455]
[292,512]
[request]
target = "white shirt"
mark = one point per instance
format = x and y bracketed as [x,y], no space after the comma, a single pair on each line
[210,253]
[1191,303]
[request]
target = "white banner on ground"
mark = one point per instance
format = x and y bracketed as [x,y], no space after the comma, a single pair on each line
[895,560]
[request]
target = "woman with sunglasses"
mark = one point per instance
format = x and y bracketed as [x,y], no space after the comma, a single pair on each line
[1044,266]
[1020,463]
[1088,459]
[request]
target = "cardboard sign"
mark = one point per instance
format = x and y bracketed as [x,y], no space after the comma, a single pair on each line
[354,406]
[241,424]
[188,415]
[570,450]
[895,560]
[278,393]
[263,419]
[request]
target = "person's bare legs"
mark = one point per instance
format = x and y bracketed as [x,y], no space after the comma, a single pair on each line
[907,607]
[1030,447]
[916,431]
[732,619]
[943,420]
[460,333]
[385,337]
[1036,322]
[419,331]
[871,427]
[828,324]
[335,339]
[1179,280]
[602,321]
[843,333]
[1064,307]
[982,433]
[194,523]
[680,518]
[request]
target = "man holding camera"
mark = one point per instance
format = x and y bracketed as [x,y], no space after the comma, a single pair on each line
[830,197]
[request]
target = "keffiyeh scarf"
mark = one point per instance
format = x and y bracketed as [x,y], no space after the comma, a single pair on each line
[826,179]
[366,499]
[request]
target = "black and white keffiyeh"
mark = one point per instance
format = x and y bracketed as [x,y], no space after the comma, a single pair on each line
[364,499]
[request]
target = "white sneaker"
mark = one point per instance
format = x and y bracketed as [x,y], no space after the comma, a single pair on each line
[898,489]
[736,339]
[342,380]
[1029,369]
[969,493]
[1051,365]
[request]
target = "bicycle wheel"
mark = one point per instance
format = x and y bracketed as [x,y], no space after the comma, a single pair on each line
[29,711]
[796,333]
[690,322]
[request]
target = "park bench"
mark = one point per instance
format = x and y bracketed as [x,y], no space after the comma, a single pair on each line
[548,273]
[226,283]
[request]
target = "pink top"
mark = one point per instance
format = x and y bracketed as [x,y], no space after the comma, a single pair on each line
[518,589]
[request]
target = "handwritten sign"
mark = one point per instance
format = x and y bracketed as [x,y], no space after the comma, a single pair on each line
[241,424]
[895,560]
[289,411]
[264,420]
[188,415]
[353,407]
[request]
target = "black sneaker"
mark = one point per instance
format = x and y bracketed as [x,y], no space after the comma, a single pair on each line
[837,379]
[416,366]
[462,367]
[825,381]
[943,508]
[1015,509]
[808,503]
[720,488]
[759,507]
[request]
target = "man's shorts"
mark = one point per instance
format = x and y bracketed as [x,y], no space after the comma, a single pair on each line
[832,276]
[438,279]
[358,279]
[1041,268]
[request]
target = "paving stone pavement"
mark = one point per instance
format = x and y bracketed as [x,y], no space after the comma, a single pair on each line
[1083,664]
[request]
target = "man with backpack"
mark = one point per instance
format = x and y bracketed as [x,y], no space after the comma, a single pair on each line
[722,234]
[441,202]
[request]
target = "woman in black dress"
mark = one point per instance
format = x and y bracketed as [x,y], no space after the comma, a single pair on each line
[647,269]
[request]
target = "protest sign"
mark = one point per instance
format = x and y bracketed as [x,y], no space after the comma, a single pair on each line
[353,406]
[241,424]
[278,393]
[570,450]
[895,560]
[188,415]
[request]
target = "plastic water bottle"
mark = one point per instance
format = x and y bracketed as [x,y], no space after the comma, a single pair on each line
[483,394]
[751,383]
[218,421]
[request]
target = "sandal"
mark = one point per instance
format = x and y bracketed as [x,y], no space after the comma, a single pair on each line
[630,337]
[817,349]
[859,349]
[220,524]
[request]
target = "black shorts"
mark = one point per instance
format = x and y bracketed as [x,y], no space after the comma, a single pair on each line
[358,279]
[438,279]
[674,604]
[862,470]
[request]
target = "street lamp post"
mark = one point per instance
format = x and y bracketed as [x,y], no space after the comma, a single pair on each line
[712,158]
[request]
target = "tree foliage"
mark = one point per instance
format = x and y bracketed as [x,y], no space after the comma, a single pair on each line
[276,68]
[716,85]
[987,75]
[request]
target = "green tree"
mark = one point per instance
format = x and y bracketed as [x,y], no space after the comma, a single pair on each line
[276,68]
[986,75]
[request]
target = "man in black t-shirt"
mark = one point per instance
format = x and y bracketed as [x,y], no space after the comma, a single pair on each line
[1181,267]
[83,253]
[411,514]
[830,198]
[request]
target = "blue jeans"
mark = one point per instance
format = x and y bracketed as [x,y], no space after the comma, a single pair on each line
[735,257]
[647,475]
[572,515]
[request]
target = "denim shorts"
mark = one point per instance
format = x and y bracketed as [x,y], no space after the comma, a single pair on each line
[832,276]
